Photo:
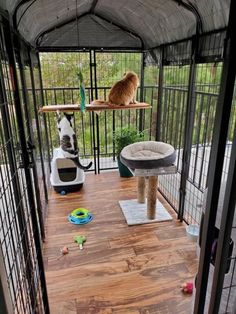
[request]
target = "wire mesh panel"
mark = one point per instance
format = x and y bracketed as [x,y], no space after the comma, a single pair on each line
[39,128]
[206,96]
[33,136]
[211,47]
[174,102]
[18,249]
[228,293]
[61,86]
[111,67]
[150,96]
[207,82]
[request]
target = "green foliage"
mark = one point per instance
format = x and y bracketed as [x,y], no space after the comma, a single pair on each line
[60,69]
[126,136]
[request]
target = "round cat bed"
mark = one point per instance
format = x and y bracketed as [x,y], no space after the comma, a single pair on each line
[148,155]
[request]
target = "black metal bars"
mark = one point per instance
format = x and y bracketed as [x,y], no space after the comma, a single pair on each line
[223,111]
[32,214]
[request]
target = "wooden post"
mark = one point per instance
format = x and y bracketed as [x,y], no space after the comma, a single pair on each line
[151,197]
[141,190]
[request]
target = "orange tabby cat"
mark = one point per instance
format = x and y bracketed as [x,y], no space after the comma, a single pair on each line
[122,92]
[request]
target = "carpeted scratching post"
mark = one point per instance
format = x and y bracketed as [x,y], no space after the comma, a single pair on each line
[141,190]
[152,197]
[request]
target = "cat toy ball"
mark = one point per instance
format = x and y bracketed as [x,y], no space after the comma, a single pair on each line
[187,287]
[80,216]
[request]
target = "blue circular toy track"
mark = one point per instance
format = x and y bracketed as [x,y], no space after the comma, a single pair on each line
[80,221]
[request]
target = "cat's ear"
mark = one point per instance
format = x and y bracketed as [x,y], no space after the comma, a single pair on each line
[58,116]
[68,116]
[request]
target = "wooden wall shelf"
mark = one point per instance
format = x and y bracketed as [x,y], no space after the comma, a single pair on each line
[90,107]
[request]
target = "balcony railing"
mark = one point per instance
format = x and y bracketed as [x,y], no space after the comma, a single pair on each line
[95,133]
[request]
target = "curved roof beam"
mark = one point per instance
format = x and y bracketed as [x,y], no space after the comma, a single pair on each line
[15,24]
[93,6]
[125,29]
[37,40]
[190,7]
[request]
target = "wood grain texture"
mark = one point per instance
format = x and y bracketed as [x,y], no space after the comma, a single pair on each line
[91,107]
[122,269]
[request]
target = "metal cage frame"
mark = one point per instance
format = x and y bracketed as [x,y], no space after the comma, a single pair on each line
[19,102]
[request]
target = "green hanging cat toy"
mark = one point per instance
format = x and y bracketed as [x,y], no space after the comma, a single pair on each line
[82,91]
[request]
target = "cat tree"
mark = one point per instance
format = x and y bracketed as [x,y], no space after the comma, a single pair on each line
[147,160]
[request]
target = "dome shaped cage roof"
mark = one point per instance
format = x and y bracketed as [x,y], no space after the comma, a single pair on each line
[108,24]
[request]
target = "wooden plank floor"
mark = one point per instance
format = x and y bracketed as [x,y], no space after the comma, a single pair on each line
[122,269]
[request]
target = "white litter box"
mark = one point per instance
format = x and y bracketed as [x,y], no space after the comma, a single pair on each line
[65,175]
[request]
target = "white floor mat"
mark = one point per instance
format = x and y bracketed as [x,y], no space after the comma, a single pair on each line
[136,214]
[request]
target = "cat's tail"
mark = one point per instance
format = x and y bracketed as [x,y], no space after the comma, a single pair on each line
[76,161]
[99,102]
